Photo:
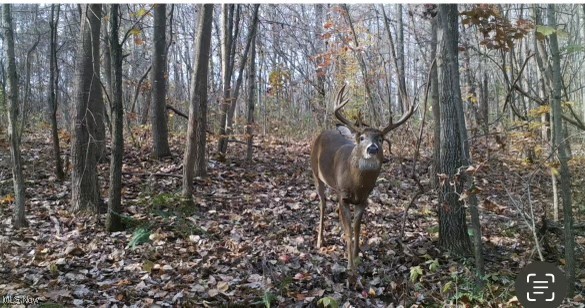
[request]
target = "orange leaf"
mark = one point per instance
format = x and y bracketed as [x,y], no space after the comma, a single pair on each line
[7,200]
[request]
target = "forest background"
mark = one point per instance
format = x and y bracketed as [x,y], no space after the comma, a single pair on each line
[159,153]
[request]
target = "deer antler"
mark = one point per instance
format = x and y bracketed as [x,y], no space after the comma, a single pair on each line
[340,101]
[403,119]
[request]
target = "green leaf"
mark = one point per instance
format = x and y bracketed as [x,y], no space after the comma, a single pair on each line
[448,286]
[328,302]
[140,236]
[268,299]
[545,30]
[415,273]
[147,266]
[574,48]
[135,31]
[141,12]
[433,265]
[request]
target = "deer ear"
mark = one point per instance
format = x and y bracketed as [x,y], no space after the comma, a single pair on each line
[342,129]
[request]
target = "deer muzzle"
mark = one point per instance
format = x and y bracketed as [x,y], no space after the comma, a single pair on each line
[372,149]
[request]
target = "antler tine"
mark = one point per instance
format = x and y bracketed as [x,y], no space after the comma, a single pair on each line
[403,119]
[340,101]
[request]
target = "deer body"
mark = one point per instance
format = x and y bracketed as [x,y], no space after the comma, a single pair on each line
[351,182]
[350,168]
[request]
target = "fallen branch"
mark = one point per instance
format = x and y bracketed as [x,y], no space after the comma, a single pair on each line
[178,112]
[161,174]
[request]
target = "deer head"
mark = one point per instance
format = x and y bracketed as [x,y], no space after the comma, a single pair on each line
[350,168]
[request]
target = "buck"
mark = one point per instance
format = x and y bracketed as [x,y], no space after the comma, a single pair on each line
[350,169]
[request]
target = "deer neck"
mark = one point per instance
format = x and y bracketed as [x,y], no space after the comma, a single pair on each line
[363,167]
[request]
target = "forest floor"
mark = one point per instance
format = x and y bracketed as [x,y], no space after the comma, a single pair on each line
[250,240]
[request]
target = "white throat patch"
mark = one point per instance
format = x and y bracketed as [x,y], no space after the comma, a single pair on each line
[367,164]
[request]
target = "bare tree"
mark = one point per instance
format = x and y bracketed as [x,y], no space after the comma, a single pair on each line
[227,46]
[452,220]
[251,97]
[53,86]
[84,179]
[160,138]
[561,149]
[12,95]
[194,160]
[114,221]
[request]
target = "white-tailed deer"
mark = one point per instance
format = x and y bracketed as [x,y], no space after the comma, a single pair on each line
[350,169]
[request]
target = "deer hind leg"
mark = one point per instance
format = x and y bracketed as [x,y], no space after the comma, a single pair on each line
[321,191]
[357,222]
[345,218]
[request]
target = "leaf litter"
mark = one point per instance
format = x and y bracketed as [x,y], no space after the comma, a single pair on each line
[250,239]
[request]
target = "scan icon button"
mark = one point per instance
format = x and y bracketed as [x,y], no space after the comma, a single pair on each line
[541,284]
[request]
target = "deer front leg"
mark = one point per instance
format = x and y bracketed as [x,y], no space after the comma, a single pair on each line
[321,192]
[345,218]
[357,222]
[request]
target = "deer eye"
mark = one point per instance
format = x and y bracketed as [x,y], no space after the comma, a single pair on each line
[380,139]
[362,138]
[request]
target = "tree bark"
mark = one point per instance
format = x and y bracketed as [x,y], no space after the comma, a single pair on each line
[320,71]
[435,105]
[364,70]
[558,141]
[19,219]
[251,97]
[194,161]
[96,104]
[53,86]
[114,220]
[452,220]
[226,75]
[84,179]
[160,138]
[236,92]
[400,58]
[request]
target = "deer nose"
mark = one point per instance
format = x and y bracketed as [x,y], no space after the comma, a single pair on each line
[372,149]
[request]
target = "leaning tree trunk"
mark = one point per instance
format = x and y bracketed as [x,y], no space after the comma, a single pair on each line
[84,179]
[160,135]
[194,160]
[452,220]
[53,86]
[565,175]
[12,95]
[114,220]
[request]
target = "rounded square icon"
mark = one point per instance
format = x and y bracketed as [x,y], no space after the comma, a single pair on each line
[541,285]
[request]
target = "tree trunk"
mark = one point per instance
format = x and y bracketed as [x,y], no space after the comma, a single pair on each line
[194,160]
[53,86]
[364,70]
[435,105]
[558,141]
[400,58]
[114,221]
[236,92]
[320,71]
[84,179]
[19,220]
[96,104]
[226,75]
[25,108]
[452,224]
[251,95]
[160,138]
